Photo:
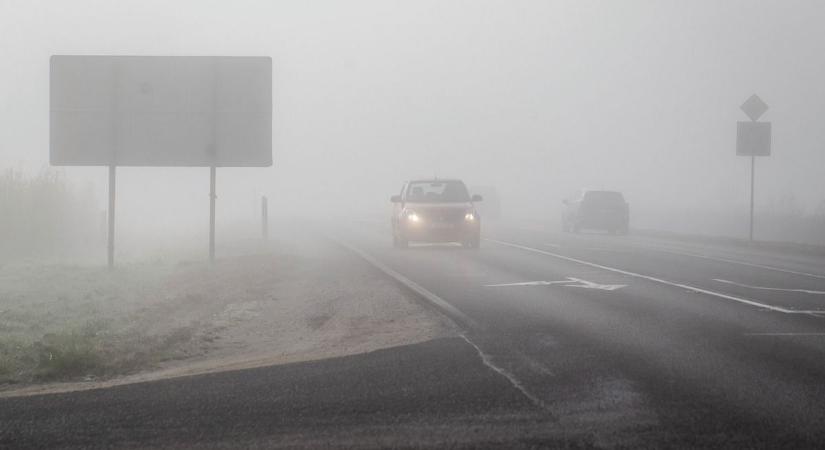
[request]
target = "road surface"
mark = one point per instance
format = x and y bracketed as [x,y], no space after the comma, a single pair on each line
[707,344]
[581,340]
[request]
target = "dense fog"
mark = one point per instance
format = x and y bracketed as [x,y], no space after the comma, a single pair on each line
[536,99]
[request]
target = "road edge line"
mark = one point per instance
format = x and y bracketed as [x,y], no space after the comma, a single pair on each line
[452,313]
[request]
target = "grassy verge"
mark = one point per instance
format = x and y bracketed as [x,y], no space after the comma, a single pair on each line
[90,351]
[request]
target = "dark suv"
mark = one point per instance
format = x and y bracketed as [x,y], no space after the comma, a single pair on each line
[435,211]
[597,210]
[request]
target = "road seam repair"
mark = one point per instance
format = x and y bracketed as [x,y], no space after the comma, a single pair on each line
[487,361]
[659,280]
[451,313]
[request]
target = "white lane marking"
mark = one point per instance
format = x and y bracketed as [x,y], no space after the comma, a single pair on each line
[784,334]
[659,280]
[412,285]
[569,282]
[697,255]
[549,244]
[804,291]
[733,261]
[487,361]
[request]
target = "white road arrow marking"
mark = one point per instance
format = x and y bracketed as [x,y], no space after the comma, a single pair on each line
[529,283]
[569,282]
[804,291]
[590,285]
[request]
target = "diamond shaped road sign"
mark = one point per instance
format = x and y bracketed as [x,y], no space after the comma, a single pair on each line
[754,107]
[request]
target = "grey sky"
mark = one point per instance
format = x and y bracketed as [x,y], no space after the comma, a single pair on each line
[537,98]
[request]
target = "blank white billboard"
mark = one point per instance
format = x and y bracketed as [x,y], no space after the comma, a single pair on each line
[161,111]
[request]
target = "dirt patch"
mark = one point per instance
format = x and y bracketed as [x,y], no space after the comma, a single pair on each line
[70,327]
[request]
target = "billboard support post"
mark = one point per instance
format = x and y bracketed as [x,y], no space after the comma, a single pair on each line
[111,243]
[212,197]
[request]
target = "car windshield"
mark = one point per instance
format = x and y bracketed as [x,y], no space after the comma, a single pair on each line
[606,198]
[437,192]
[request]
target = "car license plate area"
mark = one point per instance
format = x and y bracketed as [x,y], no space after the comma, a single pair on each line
[441,225]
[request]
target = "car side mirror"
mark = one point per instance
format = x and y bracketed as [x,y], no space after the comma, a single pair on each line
[477,198]
[395,199]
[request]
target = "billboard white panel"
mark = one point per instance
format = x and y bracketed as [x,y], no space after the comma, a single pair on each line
[161,111]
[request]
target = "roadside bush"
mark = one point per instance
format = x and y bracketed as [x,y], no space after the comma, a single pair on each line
[43,215]
[12,359]
[71,354]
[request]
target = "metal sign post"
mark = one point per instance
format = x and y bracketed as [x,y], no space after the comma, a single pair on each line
[753,139]
[753,182]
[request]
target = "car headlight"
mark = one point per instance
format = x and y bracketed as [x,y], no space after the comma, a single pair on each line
[413,217]
[470,216]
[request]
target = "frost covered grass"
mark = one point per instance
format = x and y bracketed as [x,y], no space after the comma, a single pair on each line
[55,355]
[91,351]
[66,322]
[268,304]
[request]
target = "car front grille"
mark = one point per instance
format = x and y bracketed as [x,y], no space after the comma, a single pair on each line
[443,215]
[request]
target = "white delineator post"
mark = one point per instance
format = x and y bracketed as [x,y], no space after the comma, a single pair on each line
[264,218]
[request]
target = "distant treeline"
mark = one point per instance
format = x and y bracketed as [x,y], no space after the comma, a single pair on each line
[43,216]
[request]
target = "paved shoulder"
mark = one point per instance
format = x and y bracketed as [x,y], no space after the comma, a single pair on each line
[431,394]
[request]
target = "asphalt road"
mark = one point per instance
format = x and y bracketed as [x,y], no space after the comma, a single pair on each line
[640,340]
[569,340]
